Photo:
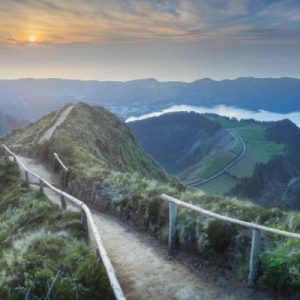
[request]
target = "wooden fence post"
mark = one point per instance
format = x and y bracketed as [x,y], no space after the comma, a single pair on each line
[26,177]
[41,184]
[66,179]
[254,256]
[63,202]
[55,166]
[84,221]
[172,227]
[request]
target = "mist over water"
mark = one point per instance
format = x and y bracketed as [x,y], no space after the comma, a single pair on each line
[223,110]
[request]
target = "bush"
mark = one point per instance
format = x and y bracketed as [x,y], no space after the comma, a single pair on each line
[281,268]
[9,173]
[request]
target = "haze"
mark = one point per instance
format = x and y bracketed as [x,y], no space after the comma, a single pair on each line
[168,40]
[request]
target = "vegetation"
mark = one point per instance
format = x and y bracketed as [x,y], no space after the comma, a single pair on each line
[195,147]
[172,138]
[43,250]
[123,180]
[260,150]
[27,134]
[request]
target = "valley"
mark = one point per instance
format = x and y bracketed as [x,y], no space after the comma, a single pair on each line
[222,159]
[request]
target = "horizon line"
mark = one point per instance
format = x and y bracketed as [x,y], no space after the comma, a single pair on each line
[147,79]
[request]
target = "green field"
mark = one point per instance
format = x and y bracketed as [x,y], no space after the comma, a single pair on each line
[259,150]
[220,185]
[220,161]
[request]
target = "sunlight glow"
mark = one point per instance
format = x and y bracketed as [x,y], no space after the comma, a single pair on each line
[32,38]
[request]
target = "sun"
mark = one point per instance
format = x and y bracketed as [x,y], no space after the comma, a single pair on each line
[32,38]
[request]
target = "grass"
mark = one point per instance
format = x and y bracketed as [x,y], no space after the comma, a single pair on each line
[38,242]
[99,157]
[95,137]
[26,135]
[219,162]
[259,150]
[220,185]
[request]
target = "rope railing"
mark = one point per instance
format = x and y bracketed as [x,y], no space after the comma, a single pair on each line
[256,231]
[87,218]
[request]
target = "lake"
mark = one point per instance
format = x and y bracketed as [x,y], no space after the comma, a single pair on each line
[223,110]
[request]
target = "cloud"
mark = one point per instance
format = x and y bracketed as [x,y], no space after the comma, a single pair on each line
[282,11]
[92,21]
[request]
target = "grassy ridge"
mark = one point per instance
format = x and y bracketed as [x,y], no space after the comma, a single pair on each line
[96,137]
[39,242]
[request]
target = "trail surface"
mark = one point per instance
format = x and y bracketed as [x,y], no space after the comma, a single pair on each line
[61,118]
[140,262]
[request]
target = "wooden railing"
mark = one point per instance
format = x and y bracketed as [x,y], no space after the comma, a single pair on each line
[256,231]
[86,219]
[60,162]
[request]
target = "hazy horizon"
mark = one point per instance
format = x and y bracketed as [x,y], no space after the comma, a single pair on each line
[149,78]
[171,40]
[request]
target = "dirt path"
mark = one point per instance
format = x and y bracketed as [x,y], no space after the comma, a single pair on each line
[62,116]
[141,263]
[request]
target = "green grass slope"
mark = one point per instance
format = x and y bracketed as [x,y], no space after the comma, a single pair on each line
[260,150]
[186,144]
[39,242]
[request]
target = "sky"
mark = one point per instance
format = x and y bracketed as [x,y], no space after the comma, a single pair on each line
[164,39]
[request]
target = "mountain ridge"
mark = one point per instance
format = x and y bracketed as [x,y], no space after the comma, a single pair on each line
[32,98]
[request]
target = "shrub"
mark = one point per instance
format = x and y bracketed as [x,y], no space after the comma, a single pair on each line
[281,268]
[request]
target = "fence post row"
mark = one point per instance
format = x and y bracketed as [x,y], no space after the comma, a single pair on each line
[172,227]
[257,231]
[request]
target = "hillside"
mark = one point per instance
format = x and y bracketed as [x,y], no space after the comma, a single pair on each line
[266,171]
[276,181]
[178,141]
[41,244]
[89,142]
[8,123]
[32,98]
[90,135]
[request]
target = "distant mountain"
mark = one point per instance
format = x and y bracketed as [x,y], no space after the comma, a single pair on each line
[8,123]
[255,160]
[32,98]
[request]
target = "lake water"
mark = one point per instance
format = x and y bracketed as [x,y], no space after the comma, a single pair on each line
[227,111]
